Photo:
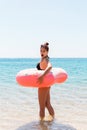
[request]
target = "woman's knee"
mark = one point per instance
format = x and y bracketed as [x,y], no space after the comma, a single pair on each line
[48,105]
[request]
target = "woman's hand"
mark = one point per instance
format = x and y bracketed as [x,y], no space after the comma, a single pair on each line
[40,79]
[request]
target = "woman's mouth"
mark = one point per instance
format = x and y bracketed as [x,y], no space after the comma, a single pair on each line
[42,55]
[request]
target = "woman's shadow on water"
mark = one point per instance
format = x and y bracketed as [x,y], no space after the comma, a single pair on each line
[37,125]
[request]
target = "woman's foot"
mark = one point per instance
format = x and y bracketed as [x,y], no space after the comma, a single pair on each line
[50,118]
[41,118]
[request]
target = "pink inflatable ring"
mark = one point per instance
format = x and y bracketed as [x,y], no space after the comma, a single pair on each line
[29,77]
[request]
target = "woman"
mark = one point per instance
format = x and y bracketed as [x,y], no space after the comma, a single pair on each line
[44,93]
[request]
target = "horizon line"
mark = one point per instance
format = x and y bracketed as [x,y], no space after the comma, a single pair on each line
[35,57]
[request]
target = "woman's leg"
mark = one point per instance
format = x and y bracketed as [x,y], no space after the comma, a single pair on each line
[42,97]
[48,104]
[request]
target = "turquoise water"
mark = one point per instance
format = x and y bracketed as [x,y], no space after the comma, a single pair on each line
[18,103]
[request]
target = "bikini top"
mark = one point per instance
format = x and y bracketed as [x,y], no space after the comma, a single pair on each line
[38,65]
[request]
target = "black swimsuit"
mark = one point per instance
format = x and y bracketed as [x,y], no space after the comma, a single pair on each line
[38,65]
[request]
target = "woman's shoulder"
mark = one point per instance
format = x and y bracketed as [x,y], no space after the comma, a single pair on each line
[46,59]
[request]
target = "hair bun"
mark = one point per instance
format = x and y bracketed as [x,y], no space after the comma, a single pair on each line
[46,44]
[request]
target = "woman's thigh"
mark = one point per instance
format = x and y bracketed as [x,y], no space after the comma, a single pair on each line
[42,96]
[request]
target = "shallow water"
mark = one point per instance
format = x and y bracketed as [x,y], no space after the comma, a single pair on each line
[19,105]
[45,126]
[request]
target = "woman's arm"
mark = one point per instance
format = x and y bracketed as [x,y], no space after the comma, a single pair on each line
[49,67]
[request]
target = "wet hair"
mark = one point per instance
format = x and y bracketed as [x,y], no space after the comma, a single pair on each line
[45,46]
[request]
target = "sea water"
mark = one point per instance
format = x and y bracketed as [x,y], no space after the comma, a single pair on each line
[19,109]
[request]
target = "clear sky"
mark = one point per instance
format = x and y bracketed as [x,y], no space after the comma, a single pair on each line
[26,24]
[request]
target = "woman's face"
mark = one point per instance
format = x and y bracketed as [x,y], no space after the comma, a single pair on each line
[43,52]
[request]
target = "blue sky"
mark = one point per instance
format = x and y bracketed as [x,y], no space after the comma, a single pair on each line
[26,24]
